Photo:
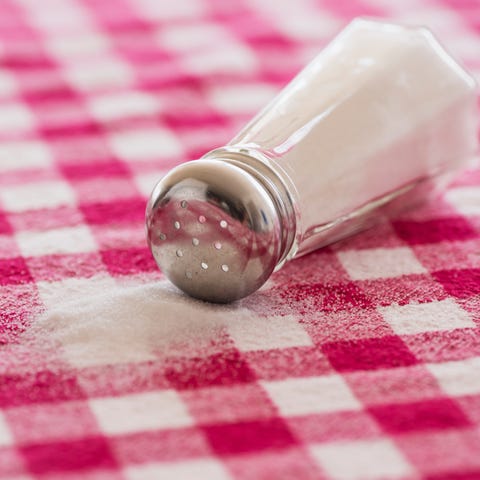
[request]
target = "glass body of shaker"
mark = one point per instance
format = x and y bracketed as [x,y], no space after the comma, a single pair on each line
[376,121]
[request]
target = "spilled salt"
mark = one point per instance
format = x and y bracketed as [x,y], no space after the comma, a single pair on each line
[132,323]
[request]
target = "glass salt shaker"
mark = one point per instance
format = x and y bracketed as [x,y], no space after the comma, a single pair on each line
[378,120]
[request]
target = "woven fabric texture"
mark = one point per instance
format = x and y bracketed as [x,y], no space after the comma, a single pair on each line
[359,361]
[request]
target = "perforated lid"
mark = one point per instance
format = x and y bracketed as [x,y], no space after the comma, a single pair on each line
[213,230]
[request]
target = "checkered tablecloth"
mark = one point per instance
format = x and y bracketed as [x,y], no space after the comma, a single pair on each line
[359,361]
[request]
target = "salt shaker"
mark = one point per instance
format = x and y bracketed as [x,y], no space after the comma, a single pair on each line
[378,120]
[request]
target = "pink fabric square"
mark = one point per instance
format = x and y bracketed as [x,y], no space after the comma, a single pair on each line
[37,423]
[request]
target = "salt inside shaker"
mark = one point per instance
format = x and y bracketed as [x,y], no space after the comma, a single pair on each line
[378,120]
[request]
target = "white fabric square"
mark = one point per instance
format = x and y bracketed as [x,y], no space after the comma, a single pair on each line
[257,333]
[15,117]
[186,470]
[242,99]
[34,196]
[465,199]
[55,16]
[426,317]
[107,73]
[85,45]
[27,154]
[56,241]
[310,27]
[463,46]
[368,459]
[376,263]
[146,181]
[300,19]
[118,106]
[140,412]
[5,434]
[231,58]
[309,395]
[8,86]
[167,11]
[440,20]
[459,377]
[190,36]
[153,143]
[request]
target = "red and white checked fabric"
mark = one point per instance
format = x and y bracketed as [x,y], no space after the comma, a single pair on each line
[358,361]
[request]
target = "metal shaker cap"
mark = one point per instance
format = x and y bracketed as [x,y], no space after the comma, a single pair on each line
[214,230]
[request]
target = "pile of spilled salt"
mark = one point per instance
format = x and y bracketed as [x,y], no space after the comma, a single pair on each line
[133,323]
